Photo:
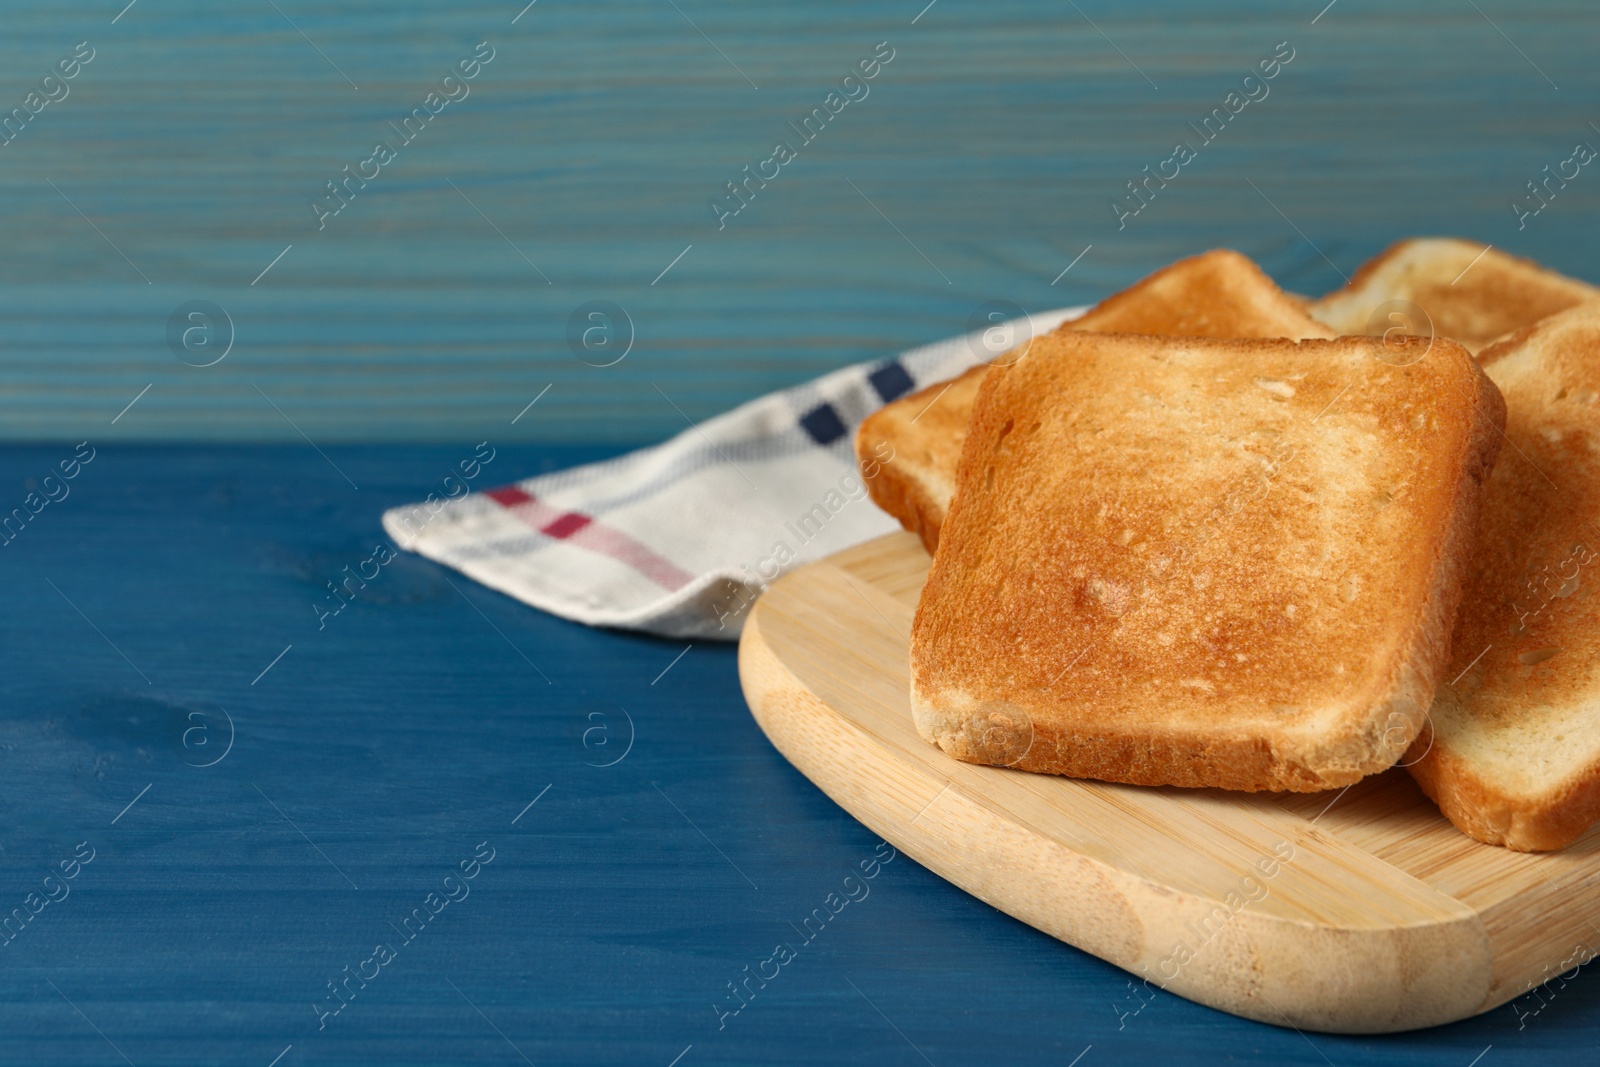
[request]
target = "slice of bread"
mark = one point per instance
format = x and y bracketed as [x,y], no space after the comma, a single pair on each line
[1463,290]
[1204,563]
[1512,751]
[1216,294]
[922,434]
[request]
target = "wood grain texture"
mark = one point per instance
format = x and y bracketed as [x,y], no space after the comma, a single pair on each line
[1380,917]
[994,142]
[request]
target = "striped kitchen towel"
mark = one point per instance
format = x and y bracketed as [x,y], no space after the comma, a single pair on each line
[679,539]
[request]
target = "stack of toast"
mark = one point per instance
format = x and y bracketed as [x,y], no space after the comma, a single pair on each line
[1211,534]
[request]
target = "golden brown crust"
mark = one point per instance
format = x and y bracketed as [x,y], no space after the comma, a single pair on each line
[911,446]
[1469,292]
[1220,293]
[1512,754]
[1510,343]
[894,492]
[1087,615]
[1215,294]
[1421,671]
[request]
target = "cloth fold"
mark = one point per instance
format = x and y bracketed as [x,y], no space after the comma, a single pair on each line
[678,539]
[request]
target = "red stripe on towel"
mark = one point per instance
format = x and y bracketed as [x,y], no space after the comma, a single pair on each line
[582,530]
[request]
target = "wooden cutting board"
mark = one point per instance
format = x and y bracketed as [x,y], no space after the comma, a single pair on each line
[1360,911]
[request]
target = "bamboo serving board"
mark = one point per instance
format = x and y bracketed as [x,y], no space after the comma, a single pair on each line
[1358,912]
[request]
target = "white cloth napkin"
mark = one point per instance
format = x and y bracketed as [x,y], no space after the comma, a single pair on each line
[679,539]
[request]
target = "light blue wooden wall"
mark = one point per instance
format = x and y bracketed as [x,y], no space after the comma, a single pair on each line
[994,141]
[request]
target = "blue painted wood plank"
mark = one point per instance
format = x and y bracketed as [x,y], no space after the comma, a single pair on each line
[591,147]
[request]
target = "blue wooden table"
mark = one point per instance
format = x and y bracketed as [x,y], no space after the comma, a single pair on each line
[572,844]
[648,845]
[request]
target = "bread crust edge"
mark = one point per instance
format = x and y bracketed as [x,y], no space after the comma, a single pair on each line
[1553,820]
[895,492]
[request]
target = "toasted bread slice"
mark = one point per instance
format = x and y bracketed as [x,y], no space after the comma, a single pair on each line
[1220,293]
[922,433]
[1466,291]
[1512,751]
[1216,294]
[1204,563]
